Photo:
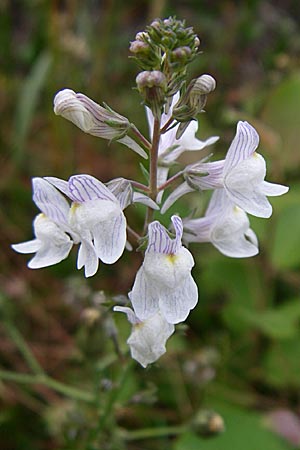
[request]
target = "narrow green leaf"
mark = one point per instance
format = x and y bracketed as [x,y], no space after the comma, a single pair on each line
[27,103]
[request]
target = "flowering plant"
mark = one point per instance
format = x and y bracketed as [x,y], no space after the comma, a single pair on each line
[85,211]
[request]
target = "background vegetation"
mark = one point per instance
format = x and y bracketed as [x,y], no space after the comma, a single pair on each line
[239,353]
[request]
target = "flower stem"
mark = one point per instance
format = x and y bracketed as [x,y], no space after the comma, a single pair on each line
[26,378]
[141,137]
[170,181]
[148,433]
[107,409]
[139,186]
[24,349]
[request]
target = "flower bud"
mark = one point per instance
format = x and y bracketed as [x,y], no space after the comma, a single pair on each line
[89,116]
[192,101]
[197,42]
[181,55]
[208,423]
[152,86]
[139,46]
[204,85]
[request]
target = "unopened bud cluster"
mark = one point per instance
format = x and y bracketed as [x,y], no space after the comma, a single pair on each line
[164,51]
[166,46]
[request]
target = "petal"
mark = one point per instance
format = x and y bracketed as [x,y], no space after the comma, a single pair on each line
[253,203]
[67,104]
[122,190]
[60,184]
[232,236]
[49,255]
[197,230]
[142,297]
[159,240]
[50,201]
[273,190]
[110,239]
[175,304]
[243,145]
[27,247]
[189,142]
[132,318]
[83,188]
[244,186]
[148,339]
[167,270]
[87,258]
[237,248]
[218,201]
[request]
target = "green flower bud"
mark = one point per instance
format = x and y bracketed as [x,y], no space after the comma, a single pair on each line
[192,101]
[139,47]
[152,86]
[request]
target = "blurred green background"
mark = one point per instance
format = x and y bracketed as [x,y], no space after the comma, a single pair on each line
[239,354]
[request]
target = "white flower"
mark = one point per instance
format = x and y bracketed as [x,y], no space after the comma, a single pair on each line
[226,226]
[147,340]
[164,282]
[244,173]
[171,148]
[241,174]
[95,220]
[94,119]
[96,216]
[52,244]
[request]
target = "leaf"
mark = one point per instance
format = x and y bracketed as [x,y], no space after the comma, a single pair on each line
[27,103]
[285,253]
[145,172]
[282,364]
[244,430]
[239,283]
[282,113]
[276,323]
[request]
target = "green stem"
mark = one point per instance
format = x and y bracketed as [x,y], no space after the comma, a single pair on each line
[24,349]
[148,433]
[112,398]
[68,391]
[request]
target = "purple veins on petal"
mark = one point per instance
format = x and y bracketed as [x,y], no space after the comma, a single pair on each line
[159,239]
[83,188]
[243,145]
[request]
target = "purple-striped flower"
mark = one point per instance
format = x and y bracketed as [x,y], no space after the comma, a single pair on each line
[96,216]
[164,282]
[52,241]
[241,175]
